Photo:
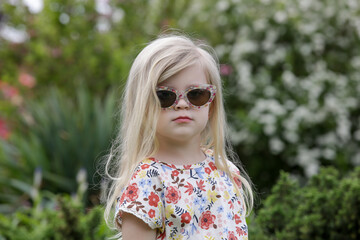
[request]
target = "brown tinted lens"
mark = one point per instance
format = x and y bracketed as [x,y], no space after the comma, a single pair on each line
[198,97]
[167,98]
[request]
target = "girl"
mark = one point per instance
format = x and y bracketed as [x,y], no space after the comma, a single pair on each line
[173,178]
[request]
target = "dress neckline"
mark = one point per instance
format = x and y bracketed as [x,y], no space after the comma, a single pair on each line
[185,166]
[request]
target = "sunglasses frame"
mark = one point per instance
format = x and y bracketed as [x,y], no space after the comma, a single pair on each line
[179,94]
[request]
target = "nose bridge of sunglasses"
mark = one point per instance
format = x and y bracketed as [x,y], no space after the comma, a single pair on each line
[182,96]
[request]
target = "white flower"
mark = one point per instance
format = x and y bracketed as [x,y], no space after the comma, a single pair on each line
[276,145]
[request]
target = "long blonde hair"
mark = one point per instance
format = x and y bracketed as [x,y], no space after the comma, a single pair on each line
[158,61]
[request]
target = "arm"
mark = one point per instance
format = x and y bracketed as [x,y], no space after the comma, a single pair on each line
[135,228]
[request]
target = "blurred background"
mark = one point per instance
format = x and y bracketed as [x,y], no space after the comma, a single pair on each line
[291,71]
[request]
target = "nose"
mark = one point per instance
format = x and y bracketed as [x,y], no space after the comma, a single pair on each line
[182,104]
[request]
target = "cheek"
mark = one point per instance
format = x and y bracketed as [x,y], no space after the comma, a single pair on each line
[164,120]
[205,115]
[161,120]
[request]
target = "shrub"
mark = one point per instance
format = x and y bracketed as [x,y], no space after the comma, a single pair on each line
[65,219]
[51,216]
[328,207]
[294,81]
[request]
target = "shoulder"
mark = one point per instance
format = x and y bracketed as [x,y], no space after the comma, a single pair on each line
[235,173]
[233,168]
[146,175]
[230,165]
[147,168]
[148,163]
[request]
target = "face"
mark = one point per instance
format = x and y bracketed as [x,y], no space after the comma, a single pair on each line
[183,122]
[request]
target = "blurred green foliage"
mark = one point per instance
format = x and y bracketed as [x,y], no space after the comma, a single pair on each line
[326,208]
[62,137]
[69,221]
[55,217]
[65,54]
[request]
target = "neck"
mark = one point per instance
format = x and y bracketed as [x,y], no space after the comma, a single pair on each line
[180,152]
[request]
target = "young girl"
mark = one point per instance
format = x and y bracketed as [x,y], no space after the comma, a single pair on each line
[173,174]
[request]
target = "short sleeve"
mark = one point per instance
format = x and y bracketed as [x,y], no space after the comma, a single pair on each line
[235,173]
[142,196]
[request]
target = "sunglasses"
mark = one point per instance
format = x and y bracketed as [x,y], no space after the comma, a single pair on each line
[196,96]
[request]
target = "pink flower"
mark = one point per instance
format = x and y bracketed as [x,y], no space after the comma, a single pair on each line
[27,80]
[225,69]
[4,130]
[8,91]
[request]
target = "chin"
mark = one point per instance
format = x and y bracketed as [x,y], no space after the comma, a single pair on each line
[181,136]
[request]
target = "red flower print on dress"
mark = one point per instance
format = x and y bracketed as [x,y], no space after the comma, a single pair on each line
[231,236]
[187,166]
[186,218]
[206,220]
[208,170]
[172,195]
[145,166]
[240,232]
[200,185]
[231,204]
[153,199]
[162,236]
[122,198]
[152,213]
[189,189]
[131,193]
[175,173]
[212,166]
[237,181]
[237,219]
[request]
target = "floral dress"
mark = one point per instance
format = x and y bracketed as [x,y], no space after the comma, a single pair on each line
[195,201]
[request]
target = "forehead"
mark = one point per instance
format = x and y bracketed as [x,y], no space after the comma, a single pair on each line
[190,76]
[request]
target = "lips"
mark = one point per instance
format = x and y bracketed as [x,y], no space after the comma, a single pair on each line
[183,118]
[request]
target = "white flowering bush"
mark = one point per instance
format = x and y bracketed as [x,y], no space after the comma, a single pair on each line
[293,94]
